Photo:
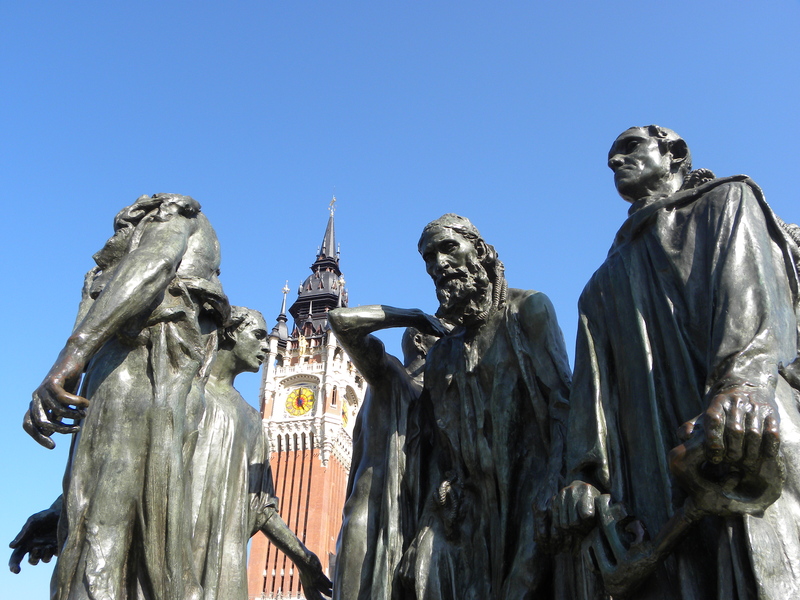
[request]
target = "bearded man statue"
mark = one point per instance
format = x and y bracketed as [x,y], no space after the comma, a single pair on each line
[495,392]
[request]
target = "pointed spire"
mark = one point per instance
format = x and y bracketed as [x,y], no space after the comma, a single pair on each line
[322,288]
[280,330]
[285,291]
[328,248]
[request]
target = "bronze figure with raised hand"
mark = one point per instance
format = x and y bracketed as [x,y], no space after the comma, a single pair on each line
[383,491]
[681,424]
[143,332]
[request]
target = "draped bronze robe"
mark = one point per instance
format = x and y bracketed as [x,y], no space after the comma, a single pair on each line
[697,295]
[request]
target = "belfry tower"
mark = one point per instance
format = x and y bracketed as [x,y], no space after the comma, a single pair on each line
[310,395]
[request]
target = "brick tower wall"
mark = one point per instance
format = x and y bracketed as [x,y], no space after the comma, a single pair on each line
[311,501]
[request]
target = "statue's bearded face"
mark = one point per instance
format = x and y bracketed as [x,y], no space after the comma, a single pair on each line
[640,167]
[462,283]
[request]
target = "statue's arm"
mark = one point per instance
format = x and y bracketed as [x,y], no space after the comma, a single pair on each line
[140,277]
[353,327]
[752,330]
[315,583]
[548,352]
[540,324]
[264,517]
[572,507]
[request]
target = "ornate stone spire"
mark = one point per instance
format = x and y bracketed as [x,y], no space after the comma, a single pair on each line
[322,290]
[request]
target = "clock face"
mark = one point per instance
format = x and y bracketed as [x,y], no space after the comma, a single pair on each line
[300,401]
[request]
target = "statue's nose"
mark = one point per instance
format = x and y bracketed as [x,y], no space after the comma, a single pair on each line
[442,263]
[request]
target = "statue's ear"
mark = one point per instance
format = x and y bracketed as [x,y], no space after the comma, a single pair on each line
[679,151]
[418,342]
[481,249]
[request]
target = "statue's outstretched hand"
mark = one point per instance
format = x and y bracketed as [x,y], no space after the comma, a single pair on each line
[430,325]
[53,401]
[315,584]
[38,538]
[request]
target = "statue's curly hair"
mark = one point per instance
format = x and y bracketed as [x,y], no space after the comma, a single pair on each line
[240,316]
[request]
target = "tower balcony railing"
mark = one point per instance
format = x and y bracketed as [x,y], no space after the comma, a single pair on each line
[300,368]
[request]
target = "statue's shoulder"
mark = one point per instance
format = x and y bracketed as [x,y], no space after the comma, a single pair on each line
[203,226]
[527,297]
[530,304]
[723,191]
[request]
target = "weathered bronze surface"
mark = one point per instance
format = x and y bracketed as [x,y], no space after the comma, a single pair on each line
[492,416]
[148,309]
[169,472]
[232,488]
[683,438]
[383,491]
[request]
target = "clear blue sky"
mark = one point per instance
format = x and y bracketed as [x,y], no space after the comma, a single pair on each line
[502,112]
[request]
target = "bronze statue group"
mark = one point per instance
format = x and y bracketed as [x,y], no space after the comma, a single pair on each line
[665,467]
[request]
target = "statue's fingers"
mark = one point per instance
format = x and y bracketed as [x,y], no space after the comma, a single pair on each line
[734,429]
[16,558]
[771,443]
[324,585]
[686,430]
[60,402]
[46,416]
[39,417]
[309,588]
[61,411]
[34,555]
[586,506]
[47,555]
[23,533]
[65,428]
[714,425]
[36,433]
[752,437]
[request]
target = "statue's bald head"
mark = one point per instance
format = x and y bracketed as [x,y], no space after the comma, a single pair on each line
[459,224]
[649,160]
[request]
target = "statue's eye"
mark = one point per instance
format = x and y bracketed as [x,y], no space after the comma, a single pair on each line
[631,145]
[448,246]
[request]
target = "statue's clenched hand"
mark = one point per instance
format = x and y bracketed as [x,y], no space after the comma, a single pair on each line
[572,514]
[741,425]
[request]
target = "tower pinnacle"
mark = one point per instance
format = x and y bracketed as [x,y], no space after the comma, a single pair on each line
[322,290]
